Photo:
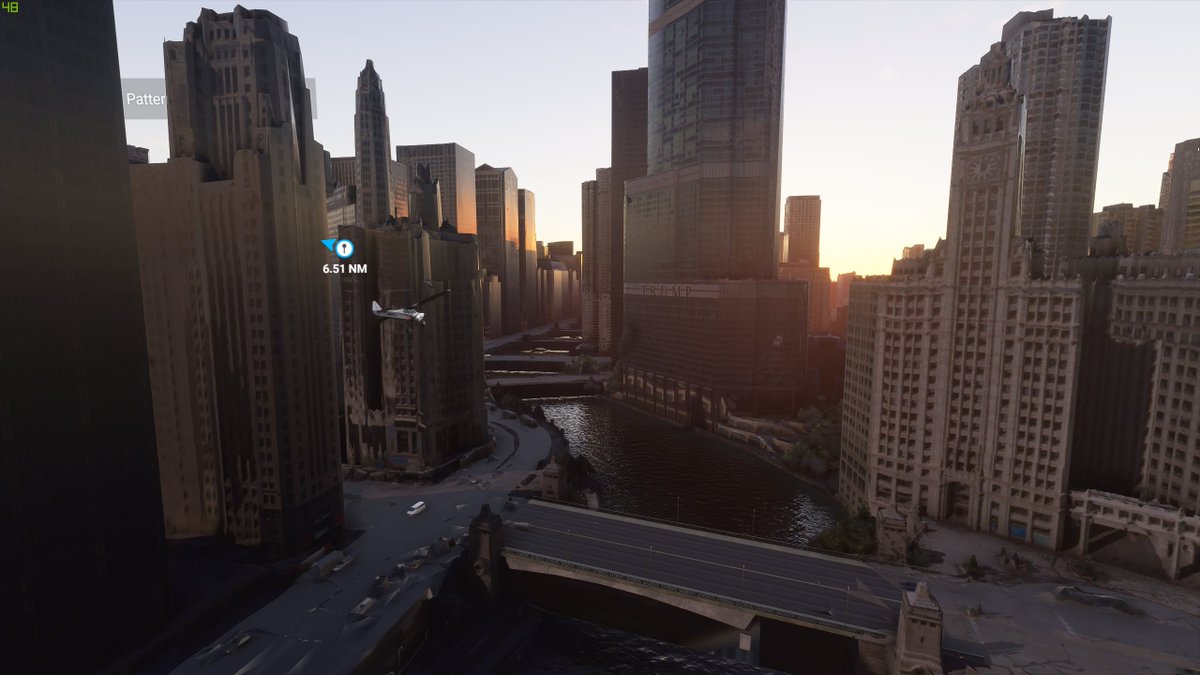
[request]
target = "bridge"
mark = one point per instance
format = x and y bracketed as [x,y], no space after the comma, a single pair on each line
[734,581]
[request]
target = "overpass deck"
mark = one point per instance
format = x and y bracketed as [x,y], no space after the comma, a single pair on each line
[803,587]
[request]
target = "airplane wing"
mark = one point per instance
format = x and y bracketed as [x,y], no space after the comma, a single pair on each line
[431,298]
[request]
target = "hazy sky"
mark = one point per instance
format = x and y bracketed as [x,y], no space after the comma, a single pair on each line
[868,96]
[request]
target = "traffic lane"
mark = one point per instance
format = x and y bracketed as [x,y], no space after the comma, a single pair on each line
[798,564]
[747,584]
[733,551]
[771,588]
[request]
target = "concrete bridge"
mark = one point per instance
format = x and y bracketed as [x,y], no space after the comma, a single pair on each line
[736,582]
[555,363]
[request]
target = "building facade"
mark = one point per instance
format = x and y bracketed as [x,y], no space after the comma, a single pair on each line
[1058,68]
[372,143]
[1139,228]
[237,311]
[1181,205]
[527,256]
[802,223]
[414,393]
[453,166]
[498,219]
[85,567]
[962,366]
[700,227]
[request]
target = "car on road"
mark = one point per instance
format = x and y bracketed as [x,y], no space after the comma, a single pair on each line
[343,563]
[416,508]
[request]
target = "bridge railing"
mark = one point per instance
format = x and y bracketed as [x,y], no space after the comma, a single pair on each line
[826,624]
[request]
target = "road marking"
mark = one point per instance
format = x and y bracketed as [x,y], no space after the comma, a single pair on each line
[1065,624]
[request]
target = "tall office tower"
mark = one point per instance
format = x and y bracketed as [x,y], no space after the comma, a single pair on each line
[414,393]
[1181,212]
[453,166]
[527,256]
[781,246]
[237,307]
[372,143]
[802,222]
[589,230]
[84,569]
[1059,68]
[962,367]
[627,161]
[497,215]
[600,267]
[1138,228]
[706,325]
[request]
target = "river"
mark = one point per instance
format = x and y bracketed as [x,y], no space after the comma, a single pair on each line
[649,467]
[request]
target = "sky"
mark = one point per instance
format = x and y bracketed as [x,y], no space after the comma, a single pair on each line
[868,106]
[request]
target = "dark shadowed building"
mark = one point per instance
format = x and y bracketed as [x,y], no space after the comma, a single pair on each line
[84,564]
[237,306]
[414,393]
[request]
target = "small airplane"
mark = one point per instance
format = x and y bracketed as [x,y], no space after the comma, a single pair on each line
[409,313]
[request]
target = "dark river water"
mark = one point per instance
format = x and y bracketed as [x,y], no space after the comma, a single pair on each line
[649,467]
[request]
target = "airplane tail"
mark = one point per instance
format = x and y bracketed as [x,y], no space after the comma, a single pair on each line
[375,307]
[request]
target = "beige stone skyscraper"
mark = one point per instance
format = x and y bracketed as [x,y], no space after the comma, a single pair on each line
[237,306]
[960,369]
[802,223]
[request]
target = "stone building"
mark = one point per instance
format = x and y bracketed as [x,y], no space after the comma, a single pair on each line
[961,366]
[237,311]
[414,393]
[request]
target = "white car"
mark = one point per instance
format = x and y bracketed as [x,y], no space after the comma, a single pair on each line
[416,508]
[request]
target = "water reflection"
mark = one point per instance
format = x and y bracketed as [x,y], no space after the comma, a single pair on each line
[650,467]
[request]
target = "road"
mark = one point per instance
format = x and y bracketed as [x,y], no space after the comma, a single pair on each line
[821,587]
[310,629]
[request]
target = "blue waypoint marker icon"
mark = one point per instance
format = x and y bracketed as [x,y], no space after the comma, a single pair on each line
[342,248]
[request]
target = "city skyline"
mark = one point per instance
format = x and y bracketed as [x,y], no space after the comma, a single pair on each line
[550,140]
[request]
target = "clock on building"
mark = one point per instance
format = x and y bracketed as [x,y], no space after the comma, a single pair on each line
[983,168]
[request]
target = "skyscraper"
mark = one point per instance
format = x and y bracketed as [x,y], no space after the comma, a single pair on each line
[802,223]
[527,256]
[1181,210]
[706,326]
[237,306]
[961,370]
[628,161]
[84,568]
[372,143]
[453,166]
[599,267]
[1058,68]
[414,393]
[497,216]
